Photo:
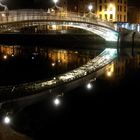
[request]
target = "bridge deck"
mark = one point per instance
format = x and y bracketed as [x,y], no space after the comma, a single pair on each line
[100,27]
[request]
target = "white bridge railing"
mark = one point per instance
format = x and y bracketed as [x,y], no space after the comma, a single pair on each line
[27,15]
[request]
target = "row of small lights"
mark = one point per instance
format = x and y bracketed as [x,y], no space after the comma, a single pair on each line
[6,56]
[56,102]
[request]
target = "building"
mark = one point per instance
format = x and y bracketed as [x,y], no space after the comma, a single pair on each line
[64,4]
[133,12]
[112,10]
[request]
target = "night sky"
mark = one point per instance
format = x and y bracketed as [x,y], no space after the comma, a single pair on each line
[17,4]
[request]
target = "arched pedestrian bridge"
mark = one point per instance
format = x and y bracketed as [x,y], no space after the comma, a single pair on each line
[16,19]
[11,20]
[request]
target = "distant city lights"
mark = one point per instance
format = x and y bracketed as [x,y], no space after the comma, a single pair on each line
[12,55]
[3,15]
[5,57]
[109,73]
[53,64]
[89,86]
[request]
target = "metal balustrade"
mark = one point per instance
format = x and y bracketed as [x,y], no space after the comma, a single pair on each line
[22,15]
[100,27]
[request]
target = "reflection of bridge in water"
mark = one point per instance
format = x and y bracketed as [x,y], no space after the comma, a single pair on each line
[93,66]
[18,19]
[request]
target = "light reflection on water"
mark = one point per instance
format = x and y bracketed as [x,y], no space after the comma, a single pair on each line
[25,64]
[79,103]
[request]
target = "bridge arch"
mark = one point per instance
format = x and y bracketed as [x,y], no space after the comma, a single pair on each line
[104,29]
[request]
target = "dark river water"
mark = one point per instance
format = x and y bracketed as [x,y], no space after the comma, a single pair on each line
[111,103]
[22,64]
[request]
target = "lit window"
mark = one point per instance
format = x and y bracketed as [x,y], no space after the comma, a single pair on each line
[105,16]
[111,16]
[120,8]
[124,8]
[120,17]
[124,18]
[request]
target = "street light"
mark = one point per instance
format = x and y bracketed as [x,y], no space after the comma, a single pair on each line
[56,101]
[7,120]
[89,86]
[55,1]
[90,7]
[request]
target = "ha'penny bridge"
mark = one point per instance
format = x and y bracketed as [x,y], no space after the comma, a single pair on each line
[14,20]
[11,21]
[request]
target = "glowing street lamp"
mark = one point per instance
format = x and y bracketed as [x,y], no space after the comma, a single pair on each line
[89,86]
[90,7]
[109,73]
[56,101]
[7,120]
[5,57]
[55,1]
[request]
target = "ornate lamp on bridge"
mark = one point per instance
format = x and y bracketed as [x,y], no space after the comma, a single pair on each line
[55,2]
[89,14]
[90,7]
[56,8]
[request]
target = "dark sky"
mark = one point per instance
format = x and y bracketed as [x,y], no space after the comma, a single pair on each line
[16,4]
[134,2]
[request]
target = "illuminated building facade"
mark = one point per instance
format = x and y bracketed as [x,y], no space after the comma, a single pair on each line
[112,10]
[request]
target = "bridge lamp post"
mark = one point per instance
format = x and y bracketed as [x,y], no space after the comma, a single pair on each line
[90,7]
[55,1]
